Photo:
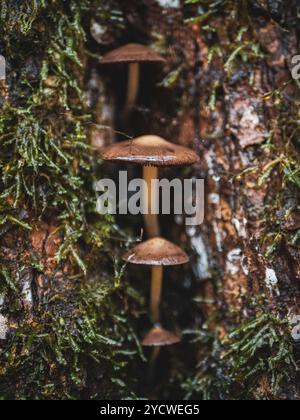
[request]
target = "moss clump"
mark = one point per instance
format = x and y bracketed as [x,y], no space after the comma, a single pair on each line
[78,345]
[45,159]
[254,361]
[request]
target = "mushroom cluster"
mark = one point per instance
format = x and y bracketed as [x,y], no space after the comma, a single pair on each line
[151,152]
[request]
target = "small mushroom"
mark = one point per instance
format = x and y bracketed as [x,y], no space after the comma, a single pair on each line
[151,152]
[158,337]
[134,55]
[156,252]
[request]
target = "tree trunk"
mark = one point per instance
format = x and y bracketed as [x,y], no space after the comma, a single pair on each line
[71,321]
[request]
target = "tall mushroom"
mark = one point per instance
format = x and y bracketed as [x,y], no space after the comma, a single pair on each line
[157,253]
[151,152]
[134,55]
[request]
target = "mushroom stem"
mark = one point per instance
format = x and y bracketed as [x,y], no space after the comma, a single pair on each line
[133,86]
[153,359]
[156,290]
[151,220]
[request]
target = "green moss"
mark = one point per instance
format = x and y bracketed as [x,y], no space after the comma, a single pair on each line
[257,360]
[45,159]
[73,349]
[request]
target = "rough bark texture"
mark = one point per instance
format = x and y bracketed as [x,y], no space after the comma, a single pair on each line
[68,323]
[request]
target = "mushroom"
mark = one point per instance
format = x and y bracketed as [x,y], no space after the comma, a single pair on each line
[157,253]
[151,152]
[134,55]
[158,337]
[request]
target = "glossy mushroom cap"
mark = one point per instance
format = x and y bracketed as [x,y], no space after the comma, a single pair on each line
[149,151]
[132,53]
[156,252]
[159,337]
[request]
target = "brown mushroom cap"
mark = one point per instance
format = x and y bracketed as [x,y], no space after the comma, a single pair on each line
[149,151]
[156,252]
[159,337]
[132,53]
